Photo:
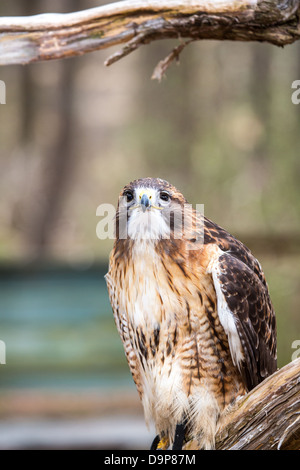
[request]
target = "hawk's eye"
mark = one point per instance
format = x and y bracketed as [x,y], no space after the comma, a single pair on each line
[164,196]
[129,196]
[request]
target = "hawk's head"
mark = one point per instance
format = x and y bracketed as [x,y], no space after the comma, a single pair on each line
[149,208]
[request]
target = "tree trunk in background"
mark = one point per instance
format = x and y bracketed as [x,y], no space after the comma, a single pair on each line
[59,163]
[27,112]
[27,87]
[60,160]
[185,120]
[172,145]
[261,93]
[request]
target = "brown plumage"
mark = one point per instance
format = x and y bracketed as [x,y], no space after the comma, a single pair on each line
[192,308]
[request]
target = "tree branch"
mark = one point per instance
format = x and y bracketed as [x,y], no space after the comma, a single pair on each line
[135,22]
[266,418]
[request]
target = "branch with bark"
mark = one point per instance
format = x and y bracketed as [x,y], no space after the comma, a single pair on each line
[267,418]
[137,22]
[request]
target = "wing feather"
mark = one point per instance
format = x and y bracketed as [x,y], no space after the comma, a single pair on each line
[244,306]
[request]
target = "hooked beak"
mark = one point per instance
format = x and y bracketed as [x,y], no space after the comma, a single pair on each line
[145,202]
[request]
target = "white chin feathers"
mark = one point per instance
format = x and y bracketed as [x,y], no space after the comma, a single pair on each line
[148,225]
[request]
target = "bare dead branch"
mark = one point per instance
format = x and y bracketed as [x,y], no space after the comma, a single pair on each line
[268,417]
[164,64]
[136,22]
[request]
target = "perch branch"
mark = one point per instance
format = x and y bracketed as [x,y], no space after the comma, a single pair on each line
[268,417]
[136,22]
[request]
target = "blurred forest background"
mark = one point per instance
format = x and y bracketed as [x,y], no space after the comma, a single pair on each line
[221,127]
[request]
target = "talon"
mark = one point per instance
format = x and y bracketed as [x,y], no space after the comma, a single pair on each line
[160,444]
[163,443]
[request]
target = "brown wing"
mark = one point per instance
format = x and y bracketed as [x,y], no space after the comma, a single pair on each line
[249,302]
[245,291]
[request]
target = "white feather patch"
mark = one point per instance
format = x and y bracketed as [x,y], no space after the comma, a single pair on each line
[225,314]
[148,225]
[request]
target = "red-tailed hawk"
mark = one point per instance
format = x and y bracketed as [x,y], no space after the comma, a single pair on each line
[192,307]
